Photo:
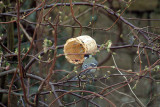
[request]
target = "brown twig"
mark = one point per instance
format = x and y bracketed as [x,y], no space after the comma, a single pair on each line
[19,54]
[71,7]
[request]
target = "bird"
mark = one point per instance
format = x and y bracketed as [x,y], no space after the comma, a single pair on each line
[89,63]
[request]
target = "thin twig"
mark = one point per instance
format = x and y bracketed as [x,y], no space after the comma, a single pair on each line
[135,96]
[19,55]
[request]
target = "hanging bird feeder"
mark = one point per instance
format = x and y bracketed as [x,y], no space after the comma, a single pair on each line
[76,48]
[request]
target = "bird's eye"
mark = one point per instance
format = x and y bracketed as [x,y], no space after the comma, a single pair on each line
[86,55]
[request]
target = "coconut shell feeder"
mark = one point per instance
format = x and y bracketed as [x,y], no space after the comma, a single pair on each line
[76,48]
